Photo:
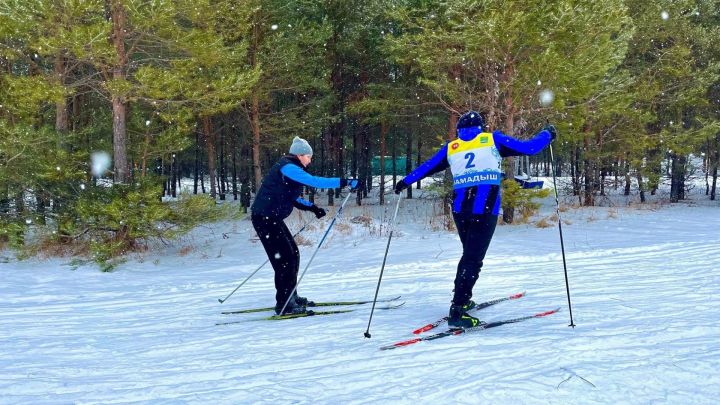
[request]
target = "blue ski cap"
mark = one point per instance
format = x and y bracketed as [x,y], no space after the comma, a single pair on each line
[471,119]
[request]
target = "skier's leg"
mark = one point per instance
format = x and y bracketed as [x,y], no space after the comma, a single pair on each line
[273,235]
[478,231]
[293,264]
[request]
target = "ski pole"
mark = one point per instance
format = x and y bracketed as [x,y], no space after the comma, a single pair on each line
[382,268]
[258,269]
[562,244]
[337,214]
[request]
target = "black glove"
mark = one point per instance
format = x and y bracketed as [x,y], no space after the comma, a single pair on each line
[552,130]
[400,186]
[319,212]
[354,184]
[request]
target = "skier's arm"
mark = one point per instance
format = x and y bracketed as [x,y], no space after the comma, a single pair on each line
[303,205]
[301,176]
[509,146]
[435,164]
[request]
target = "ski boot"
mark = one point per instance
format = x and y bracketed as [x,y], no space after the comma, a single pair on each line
[458,317]
[292,308]
[303,301]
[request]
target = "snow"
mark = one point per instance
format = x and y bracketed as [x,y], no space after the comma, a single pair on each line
[644,284]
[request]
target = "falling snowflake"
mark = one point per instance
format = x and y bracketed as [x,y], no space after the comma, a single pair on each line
[100,163]
[546,97]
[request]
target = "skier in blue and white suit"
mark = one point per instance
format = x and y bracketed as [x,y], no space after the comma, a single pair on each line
[280,191]
[474,159]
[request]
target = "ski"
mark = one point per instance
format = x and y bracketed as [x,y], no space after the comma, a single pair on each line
[307,314]
[311,305]
[480,306]
[452,332]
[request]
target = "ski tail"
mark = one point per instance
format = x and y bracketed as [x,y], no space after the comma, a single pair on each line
[480,306]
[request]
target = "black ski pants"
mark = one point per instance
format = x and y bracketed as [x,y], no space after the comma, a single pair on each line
[476,231]
[282,252]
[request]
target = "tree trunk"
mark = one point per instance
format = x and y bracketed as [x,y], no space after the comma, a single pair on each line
[234,168]
[408,160]
[677,176]
[210,141]
[627,179]
[61,106]
[419,159]
[173,171]
[641,186]
[221,155]
[368,162]
[447,199]
[383,133]
[394,160]
[589,192]
[509,213]
[120,160]
[362,139]
[197,163]
[255,121]
[715,165]
[245,176]
[330,166]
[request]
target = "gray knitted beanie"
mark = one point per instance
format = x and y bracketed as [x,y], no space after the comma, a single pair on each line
[300,147]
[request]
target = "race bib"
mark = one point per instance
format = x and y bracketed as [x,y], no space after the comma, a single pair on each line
[474,162]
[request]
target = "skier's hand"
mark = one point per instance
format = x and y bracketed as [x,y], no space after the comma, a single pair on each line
[354,184]
[552,130]
[319,212]
[400,186]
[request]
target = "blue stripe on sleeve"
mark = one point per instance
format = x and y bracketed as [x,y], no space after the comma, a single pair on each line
[295,173]
[509,146]
[433,165]
[306,203]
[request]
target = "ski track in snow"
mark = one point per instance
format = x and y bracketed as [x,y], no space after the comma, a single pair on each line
[644,287]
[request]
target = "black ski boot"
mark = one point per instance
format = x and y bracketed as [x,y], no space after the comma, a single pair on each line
[303,301]
[292,308]
[459,318]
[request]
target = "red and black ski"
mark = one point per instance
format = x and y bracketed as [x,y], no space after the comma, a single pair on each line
[478,307]
[452,332]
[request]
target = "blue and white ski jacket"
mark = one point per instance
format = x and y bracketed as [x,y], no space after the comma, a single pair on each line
[474,159]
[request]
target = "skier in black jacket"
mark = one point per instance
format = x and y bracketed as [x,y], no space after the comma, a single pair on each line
[280,191]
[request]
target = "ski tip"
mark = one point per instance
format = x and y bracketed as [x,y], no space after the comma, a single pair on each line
[518,295]
[400,344]
[423,329]
[546,313]
[393,306]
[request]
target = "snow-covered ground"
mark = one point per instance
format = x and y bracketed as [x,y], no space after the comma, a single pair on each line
[644,282]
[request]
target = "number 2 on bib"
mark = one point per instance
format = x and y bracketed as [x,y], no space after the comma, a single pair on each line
[469,157]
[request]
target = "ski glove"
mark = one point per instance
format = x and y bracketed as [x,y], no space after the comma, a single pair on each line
[400,186]
[354,184]
[319,212]
[552,130]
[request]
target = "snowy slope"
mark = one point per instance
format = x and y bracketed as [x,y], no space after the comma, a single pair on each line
[644,284]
